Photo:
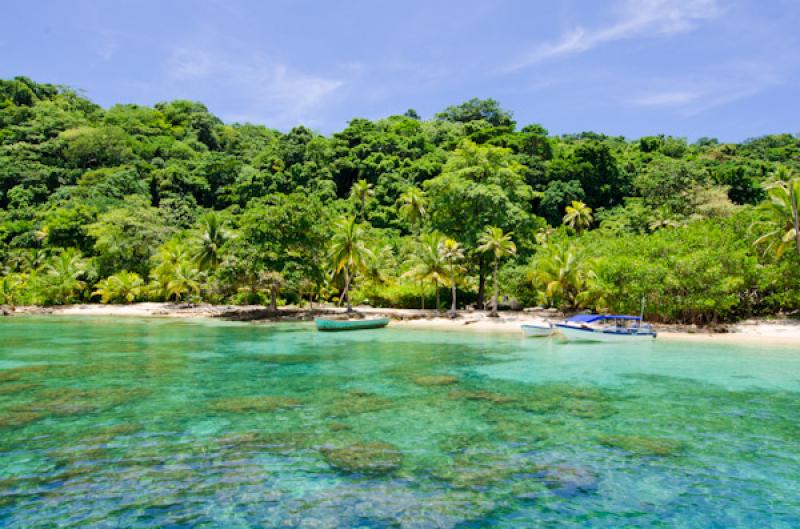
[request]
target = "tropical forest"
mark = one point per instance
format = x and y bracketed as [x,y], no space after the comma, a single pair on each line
[467,208]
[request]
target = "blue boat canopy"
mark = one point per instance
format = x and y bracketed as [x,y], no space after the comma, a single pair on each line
[589,318]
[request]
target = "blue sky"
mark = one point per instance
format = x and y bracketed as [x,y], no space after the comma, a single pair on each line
[728,69]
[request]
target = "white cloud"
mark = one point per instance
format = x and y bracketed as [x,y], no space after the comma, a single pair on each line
[723,85]
[667,98]
[268,91]
[636,18]
[107,45]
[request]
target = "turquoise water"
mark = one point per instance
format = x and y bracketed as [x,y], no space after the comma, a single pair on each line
[126,423]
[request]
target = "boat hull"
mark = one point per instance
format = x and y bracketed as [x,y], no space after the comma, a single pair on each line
[582,334]
[537,330]
[350,325]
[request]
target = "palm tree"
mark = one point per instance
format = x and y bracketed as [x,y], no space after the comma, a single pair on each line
[64,274]
[184,281]
[212,235]
[30,259]
[494,241]
[127,286]
[349,253]
[578,216]
[782,206]
[412,206]
[377,261]
[169,257]
[10,289]
[565,278]
[452,253]
[361,192]
[429,265]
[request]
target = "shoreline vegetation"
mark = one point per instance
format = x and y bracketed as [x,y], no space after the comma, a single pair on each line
[464,209]
[763,331]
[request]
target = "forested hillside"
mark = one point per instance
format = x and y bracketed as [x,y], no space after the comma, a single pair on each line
[169,203]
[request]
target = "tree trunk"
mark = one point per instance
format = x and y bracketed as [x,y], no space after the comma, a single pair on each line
[273,299]
[346,291]
[453,291]
[795,220]
[422,287]
[496,291]
[481,282]
[436,287]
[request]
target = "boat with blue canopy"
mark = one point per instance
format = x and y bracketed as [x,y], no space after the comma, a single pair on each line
[605,328]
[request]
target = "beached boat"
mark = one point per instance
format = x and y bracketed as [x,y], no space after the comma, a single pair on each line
[537,330]
[605,328]
[350,325]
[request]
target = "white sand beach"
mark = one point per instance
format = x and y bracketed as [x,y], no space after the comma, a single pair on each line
[754,331]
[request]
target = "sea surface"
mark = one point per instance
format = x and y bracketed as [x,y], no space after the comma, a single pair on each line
[161,423]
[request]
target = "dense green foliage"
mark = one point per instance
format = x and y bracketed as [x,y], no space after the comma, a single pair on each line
[169,203]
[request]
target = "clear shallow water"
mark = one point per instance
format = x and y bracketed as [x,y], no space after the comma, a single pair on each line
[160,423]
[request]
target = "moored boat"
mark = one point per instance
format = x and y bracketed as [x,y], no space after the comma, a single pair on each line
[605,328]
[324,324]
[538,329]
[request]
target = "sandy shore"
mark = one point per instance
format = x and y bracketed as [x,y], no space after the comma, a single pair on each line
[767,332]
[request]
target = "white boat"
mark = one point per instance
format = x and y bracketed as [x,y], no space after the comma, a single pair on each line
[605,328]
[540,330]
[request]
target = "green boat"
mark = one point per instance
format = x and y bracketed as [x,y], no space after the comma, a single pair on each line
[350,325]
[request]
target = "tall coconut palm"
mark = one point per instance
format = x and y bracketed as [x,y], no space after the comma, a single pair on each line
[125,286]
[412,206]
[361,192]
[348,252]
[65,274]
[428,263]
[578,216]
[211,236]
[782,206]
[452,254]
[500,245]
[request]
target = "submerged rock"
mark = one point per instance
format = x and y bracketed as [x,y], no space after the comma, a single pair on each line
[568,481]
[435,380]
[589,410]
[494,398]
[583,402]
[519,431]
[356,403]
[67,401]
[462,441]
[640,445]
[479,469]
[18,373]
[16,387]
[261,403]
[258,441]
[364,458]
[16,419]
